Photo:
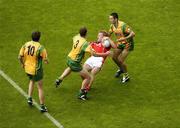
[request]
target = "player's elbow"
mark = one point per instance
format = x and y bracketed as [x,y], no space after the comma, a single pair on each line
[46,61]
[19,57]
[133,34]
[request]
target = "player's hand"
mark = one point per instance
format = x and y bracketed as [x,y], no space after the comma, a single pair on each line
[121,39]
[108,53]
[46,61]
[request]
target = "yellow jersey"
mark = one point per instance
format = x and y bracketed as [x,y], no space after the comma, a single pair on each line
[120,31]
[33,53]
[79,48]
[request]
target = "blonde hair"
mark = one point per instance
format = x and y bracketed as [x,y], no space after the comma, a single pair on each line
[105,33]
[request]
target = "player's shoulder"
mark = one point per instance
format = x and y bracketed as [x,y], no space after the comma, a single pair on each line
[111,26]
[41,47]
[38,45]
[76,37]
[79,38]
[122,23]
[28,42]
[32,43]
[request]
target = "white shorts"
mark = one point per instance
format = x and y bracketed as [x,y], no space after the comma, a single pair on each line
[95,61]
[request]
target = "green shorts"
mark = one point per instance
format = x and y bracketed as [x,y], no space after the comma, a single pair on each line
[128,45]
[37,77]
[75,66]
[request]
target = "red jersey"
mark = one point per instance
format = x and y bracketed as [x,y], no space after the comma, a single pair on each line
[99,48]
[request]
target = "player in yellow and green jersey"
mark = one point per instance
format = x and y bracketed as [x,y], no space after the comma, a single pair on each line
[31,56]
[74,58]
[125,43]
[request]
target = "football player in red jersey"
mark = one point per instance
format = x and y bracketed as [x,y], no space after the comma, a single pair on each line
[94,63]
[67,72]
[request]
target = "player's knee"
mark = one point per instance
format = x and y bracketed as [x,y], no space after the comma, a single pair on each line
[114,58]
[85,76]
[40,84]
[92,78]
[88,77]
[40,88]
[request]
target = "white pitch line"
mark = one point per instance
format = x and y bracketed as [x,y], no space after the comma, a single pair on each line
[20,90]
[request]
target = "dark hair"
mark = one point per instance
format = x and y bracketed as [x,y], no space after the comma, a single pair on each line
[105,33]
[115,15]
[83,31]
[36,36]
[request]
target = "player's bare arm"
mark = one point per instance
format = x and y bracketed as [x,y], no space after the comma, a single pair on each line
[21,61]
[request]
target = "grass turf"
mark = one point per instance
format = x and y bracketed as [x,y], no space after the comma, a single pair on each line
[151,98]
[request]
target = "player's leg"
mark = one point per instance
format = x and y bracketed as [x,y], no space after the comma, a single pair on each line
[89,64]
[40,92]
[87,67]
[66,73]
[122,59]
[94,72]
[41,96]
[30,92]
[93,65]
[116,54]
[86,80]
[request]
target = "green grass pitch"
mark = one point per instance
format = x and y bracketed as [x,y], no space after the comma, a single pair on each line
[150,99]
